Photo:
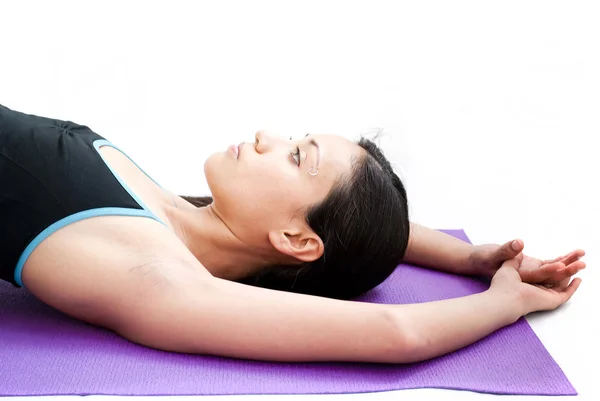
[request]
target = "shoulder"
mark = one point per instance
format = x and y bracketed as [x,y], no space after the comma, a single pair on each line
[87,268]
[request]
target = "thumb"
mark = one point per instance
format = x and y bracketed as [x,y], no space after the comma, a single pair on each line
[509,250]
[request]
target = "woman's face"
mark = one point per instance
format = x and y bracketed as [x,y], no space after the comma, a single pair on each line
[267,185]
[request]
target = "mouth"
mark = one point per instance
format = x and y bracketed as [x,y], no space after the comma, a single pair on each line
[235,150]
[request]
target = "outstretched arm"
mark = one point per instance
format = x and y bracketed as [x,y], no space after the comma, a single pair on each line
[213,316]
[174,304]
[437,250]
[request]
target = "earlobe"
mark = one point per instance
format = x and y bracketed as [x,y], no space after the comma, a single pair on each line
[306,247]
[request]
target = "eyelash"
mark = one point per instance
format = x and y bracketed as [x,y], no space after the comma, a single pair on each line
[296,154]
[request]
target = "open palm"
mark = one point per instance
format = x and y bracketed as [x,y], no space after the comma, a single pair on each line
[486,260]
[536,297]
[555,272]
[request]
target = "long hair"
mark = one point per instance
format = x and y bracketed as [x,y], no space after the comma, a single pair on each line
[363,223]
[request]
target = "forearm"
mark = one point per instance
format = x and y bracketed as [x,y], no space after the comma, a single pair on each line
[437,328]
[434,249]
[279,326]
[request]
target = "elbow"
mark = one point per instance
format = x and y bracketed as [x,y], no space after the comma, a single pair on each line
[410,345]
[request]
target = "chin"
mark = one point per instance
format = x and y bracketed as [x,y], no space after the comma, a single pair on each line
[214,165]
[211,169]
[217,176]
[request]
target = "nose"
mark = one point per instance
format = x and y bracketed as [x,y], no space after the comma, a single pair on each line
[265,141]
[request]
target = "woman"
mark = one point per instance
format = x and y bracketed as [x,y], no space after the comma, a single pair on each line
[319,216]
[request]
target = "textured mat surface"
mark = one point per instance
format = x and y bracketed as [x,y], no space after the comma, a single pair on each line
[44,352]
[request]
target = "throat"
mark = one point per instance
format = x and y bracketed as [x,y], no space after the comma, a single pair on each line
[214,244]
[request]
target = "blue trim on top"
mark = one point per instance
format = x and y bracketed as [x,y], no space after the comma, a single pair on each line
[103,142]
[98,143]
[104,211]
[86,214]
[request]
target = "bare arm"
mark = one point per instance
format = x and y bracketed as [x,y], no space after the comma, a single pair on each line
[174,304]
[214,316]
[434,249]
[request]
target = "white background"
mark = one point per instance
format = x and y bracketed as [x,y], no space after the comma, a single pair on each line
[490,109]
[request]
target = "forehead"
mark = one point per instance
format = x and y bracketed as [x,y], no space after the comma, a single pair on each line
[336,153]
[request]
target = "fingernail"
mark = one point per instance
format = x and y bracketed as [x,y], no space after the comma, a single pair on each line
[515,245]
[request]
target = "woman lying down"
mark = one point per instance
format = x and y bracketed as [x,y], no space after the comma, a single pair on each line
[262,270]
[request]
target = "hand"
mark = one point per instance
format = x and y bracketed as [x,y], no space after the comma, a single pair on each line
[486,259]
[551,272]
[533,297]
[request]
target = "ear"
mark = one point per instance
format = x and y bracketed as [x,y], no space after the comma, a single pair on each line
[302,245]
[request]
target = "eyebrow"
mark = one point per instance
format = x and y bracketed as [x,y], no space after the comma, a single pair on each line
[313,142]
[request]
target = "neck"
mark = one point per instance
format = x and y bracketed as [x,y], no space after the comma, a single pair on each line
[213,244]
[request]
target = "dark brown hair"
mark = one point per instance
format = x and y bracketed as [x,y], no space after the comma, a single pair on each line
[363,223]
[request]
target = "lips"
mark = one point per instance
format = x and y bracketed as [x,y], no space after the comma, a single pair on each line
[236,149]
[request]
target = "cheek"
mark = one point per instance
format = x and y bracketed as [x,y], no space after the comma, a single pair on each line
[271,187]
[268,199]
[266,176]
[255,190]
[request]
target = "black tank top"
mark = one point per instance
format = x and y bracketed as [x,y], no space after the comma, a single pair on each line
[51,175]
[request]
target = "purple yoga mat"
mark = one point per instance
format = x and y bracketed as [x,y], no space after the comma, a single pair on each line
[44,352]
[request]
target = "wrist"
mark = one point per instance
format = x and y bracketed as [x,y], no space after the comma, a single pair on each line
[513,305]
[482,261]
[474,265]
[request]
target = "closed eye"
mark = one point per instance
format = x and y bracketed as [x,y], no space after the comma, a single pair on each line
[296,156]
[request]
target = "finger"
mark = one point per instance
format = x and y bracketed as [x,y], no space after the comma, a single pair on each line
[541,274]
[578,254]
[555,259]
[566,272]
[557,286]
[570,290]
[561,285]
[573,257]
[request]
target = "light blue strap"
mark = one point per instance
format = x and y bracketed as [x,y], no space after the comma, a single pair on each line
[104,211]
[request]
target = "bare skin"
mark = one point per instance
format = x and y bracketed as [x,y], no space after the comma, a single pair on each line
[167,287]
